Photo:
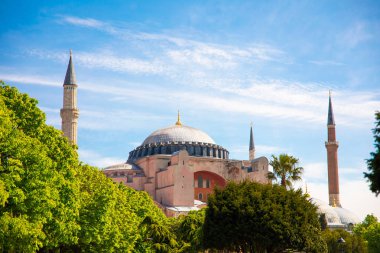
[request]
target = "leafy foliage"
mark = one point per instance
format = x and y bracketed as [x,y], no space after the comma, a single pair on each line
[51,202]
[285,169]
[369,229]
[353,243]
[373,163]
[323,221]
[190,229]
[252,217]
[39,190]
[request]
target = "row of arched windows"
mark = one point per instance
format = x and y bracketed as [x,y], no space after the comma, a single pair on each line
[200,182]
[200,196]
[193,150]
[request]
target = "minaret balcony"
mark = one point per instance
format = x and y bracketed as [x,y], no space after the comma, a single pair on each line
[332,143]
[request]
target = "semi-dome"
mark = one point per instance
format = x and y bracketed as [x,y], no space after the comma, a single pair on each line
[178,133]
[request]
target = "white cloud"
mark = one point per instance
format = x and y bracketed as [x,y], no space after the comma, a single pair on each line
[354,35]
[276,99]
[351,171]
[95,159]
[186,52]
[260,149]
[354,196]
[265,149]
[86,22]
[120,120]
[28,79]
[315,172]
[326,63]
[105,61]
[130,65]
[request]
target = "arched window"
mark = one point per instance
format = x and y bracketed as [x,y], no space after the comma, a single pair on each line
[200,196]
[207,183]
[200,181]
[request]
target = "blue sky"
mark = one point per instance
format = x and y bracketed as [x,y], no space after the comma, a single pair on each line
[223,64]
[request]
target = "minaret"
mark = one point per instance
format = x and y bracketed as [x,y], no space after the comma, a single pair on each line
[251,146]
[69,112]
[332,158]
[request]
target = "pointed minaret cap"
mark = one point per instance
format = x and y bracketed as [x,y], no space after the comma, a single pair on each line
[178,123]
[70,78]
[330,117]
[251,142]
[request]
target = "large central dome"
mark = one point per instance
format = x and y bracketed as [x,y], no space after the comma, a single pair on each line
[166,141]
[178,133]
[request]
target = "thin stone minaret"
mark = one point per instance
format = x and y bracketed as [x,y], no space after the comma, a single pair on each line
[332,158]
[251,145]
[69,112]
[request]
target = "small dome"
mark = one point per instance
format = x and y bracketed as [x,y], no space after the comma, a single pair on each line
[178,133]
[346,216]
[331,216]
[122,166]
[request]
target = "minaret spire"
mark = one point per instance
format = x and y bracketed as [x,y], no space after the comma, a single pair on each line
[251,145]
[70,112]
[70,77]
[332,158]
[330,117]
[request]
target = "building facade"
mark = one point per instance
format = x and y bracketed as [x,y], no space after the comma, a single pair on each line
[179,166]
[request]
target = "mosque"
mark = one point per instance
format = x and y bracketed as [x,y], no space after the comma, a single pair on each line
[179,166]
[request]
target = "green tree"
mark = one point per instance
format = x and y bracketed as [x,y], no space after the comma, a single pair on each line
[160,236]
[323,221]
[369,229]
[252,217]
[106,218]
[49,202]
[285,169]
[190,229]
[373,164]
[39,191]
[353,242]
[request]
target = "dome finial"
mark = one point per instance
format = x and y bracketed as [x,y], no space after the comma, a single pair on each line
[178,123]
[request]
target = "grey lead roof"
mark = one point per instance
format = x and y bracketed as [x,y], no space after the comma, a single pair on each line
[70,73]
[330,117]
[178,133]
[251,143]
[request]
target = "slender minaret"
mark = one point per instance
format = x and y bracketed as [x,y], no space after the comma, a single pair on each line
[332,158]
[69,112]
[251,146]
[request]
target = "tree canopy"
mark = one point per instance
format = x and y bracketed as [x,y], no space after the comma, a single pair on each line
[373,163]
[252,217]
[352,242]
[38,185]
[369,229]
[49,201]
[285,170]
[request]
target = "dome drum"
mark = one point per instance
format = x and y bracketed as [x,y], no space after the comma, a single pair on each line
[169,140]
[193,148]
